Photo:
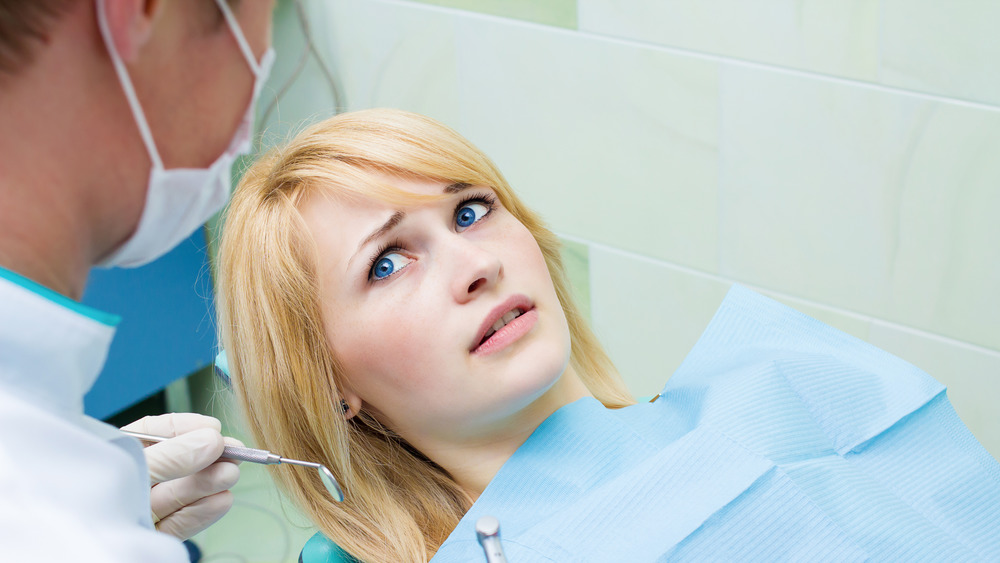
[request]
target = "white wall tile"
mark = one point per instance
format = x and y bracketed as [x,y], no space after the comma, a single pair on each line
[946,48]
[306,98]
[855,325]
[871,201]
[946,262]
[648,314]
[608,141]
[972,377]
[394,55]
[838,38]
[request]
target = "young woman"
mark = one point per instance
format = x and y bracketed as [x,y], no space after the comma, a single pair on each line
[360,270]
[391,309]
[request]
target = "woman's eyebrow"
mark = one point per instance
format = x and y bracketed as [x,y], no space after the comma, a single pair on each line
[456,187]
[396,218]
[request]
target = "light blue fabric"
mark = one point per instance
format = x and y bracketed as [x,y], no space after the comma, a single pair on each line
[779,438]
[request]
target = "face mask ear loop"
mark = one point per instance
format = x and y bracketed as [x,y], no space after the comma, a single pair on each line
[241,40]
[126,82]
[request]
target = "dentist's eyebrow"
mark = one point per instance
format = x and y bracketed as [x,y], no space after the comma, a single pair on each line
[389,225]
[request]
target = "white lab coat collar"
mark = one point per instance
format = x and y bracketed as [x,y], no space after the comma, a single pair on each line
[63,348]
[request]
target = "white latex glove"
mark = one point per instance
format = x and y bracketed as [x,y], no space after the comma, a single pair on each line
[190,484]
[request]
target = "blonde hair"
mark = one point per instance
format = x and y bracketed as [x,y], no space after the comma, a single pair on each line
[400,506]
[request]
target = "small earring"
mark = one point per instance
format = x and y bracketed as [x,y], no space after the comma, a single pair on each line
[345,406]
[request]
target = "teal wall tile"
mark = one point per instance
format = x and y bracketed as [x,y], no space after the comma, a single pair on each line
[560,13]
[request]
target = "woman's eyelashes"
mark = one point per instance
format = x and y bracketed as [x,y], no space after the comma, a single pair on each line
[387,262]
[391,258]
[473,209]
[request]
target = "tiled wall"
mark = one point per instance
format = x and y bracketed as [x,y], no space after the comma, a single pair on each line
[842,156]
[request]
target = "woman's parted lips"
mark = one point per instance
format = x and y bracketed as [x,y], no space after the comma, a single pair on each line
[513,302]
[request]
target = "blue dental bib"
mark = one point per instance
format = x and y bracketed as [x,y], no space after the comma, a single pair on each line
[779,438]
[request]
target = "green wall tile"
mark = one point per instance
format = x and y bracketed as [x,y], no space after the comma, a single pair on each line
[969,374]
[560,13]
[649,314]
[946,48]
[838,38]
[398,55]
[576,259]
[862,199]
[610,142]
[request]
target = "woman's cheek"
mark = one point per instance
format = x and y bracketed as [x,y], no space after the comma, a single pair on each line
[394,353]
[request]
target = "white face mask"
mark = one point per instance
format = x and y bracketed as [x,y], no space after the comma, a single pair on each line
[180,200]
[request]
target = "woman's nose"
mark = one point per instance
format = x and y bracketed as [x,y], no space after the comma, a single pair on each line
[475,269]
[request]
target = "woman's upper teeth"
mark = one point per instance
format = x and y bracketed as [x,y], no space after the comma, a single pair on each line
[502,321]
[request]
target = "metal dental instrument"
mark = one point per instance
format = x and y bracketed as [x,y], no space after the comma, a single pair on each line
[488,534]
[263,457]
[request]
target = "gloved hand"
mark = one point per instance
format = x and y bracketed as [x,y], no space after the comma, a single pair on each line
[190,485]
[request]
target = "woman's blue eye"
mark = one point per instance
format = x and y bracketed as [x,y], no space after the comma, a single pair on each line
[470,213]
[388,265]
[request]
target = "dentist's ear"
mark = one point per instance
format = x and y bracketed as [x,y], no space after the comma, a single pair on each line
[131,24]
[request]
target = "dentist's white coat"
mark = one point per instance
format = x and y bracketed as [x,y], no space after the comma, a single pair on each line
[71,487]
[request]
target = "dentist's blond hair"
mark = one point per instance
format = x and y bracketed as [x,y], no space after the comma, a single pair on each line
[400,506]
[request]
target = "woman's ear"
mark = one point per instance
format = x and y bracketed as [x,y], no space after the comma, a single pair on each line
[131,24]
[350,404]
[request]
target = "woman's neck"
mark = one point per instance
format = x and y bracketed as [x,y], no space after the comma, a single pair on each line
[473,465]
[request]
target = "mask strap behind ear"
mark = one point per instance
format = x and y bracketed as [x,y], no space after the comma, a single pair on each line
[126,82]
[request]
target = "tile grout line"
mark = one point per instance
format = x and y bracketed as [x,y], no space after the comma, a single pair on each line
[680,51]
[794,299]
[798,73]
[939,338]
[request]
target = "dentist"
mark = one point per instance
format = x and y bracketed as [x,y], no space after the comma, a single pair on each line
[120,120]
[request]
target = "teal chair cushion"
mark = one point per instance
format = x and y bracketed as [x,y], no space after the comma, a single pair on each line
[319,549]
